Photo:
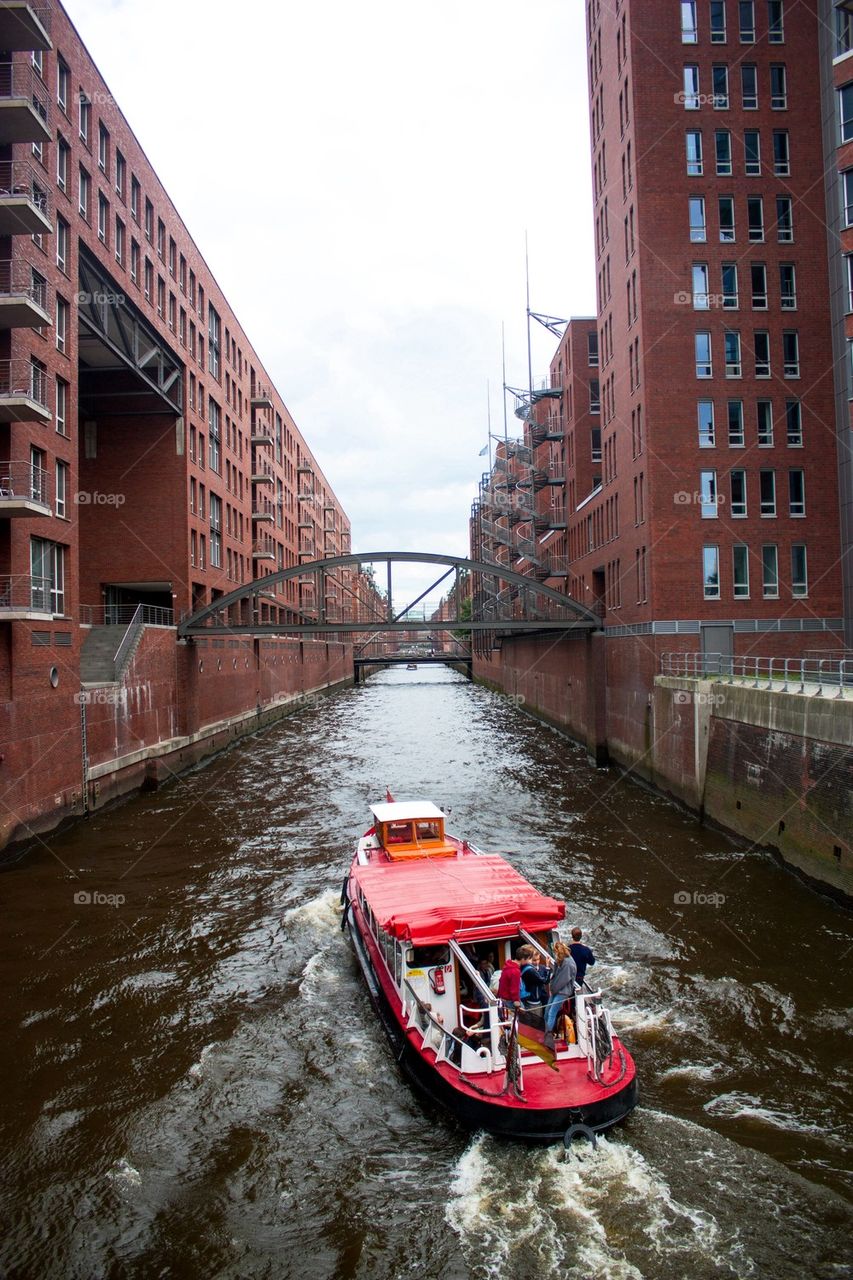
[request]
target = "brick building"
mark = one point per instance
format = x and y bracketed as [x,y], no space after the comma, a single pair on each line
[145,455]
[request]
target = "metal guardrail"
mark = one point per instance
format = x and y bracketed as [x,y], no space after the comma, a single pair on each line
[122,615]
[22,592]
[783,675]
[19,80]
[18,179]
[23,480]
[20,279]
[20,377]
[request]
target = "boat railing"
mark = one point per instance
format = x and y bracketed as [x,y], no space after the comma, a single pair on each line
[594,1030]
[436,1036]
[487,997]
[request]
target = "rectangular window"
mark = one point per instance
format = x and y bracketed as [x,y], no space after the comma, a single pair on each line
[83,194]
[149,279]
[694,153]
[691,88]
[770,571]
[62,153]
[767,492]
[731,341]
[761,341]
[161,297]
[845,111]
[134,200]
[700,286]
[746,21]
[705,414]
[213,340]
[61,407]
[755,218]
[711,572]
[729,282]
[172,312]
[790,354]
[751,151]
[778,87]
[214,435]
[797,493]
[121,172]
[708,495]
[843,29]
[764,420]
[775,22]
[749,86]
[60,505]
[215,532]
[781,153]
[63,82]
[61,323]
[47,570]
[591,338]
[723,152]
[62,243]
[799,571]
[726,206]
[718,21]
[702,346]
[84,117]
[594,396]
[735,423]
[720,86]
[696,210]
[793,423]
[161,239]
[758,281]
[737,480]
[689,32]
[788,286]
[103,149]
[120,241]
[134,261]
[847,194]
[149,220]
[784,219]
[103,217]
[740,571]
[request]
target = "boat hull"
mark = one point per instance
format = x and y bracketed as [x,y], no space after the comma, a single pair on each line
[514,1121]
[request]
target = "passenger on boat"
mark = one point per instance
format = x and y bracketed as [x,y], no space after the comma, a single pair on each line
[535,976]
[509,985]
[582,955]
[562,983]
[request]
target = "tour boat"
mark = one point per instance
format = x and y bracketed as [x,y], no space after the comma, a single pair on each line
[429,916]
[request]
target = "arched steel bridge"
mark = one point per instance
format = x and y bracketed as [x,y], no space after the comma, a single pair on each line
[502,601]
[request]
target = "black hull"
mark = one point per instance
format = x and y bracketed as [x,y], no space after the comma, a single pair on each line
[530,1125]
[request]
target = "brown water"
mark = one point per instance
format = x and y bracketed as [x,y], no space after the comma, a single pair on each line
[194,1083]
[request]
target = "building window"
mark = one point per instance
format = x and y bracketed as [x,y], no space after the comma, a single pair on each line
[796,493]
[134,262]
[731,341]
[720,86]
[83,193]
[47,570]
[85,118]
[770,571]
[761,341]
[726,206]
[694,153]
[843,28]
[752,152]
[737,480]
[788,286]
[723,152]
[61,323]
[718,21]
[594,395]
[730,289]
[746,21]
[121,171]
[691,88]
[173,257]
[61,407]
[778,87]
[758,280]
[134,200]
[790,354]
[794,423]
[767,492]
[781,153]
[755,218]
[149,220]
[62,243]
[689,32]
[172,312]
[103,217]
[847,195]
[700,286]
[784,219]
[708,495]
[161,297]
[120,241]
[63,84]
[214,435]
[740,571]
[845,111]
[62,153]
[799,571]
[775,22]
[213,340]
[749,86]
[696,211]
[702,344]
[764,418]
[103,149]
[215,532]
[161,240]
[149,279]
[61,490]
[711,572]
[705,413]
[591,341]
[735,424]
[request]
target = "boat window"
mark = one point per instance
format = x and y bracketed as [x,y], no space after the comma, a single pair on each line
[426,957]
[398,833]
[428,830]
[398,963]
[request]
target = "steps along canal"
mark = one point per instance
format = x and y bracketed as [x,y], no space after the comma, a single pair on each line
[195,1083]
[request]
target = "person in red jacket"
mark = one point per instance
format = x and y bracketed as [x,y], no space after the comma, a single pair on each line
[509,985]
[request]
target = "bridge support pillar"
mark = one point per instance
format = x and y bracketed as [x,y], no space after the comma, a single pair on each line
[596,693]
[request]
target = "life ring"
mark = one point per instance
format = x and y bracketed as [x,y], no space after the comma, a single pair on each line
[579,1130]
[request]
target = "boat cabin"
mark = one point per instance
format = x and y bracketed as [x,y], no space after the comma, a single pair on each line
[413,830]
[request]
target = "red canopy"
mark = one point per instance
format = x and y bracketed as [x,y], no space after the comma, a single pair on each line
[426,902]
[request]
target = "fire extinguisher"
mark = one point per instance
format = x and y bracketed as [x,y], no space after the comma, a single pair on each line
[436,979]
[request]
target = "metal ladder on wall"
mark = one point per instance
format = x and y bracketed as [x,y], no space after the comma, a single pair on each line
[84,745]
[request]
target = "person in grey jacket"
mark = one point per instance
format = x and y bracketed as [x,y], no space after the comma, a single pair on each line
[562,983]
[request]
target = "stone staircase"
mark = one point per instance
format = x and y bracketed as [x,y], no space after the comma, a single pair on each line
[97,658]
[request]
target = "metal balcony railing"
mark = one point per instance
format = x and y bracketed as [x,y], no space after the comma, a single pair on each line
[263,549]
[782,675]
[122,615]
[19,279]
[18,80]
[21,378]
[23,480]
[263,509]
[23,593]
[19,178]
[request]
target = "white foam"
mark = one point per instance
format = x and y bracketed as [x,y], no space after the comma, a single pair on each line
[321,914]
[124,1175]
[745,1106]
[694,1071]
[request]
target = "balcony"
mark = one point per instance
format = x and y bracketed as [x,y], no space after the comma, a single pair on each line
[24,299]
[558,565]
[264,550]
[23,597]
[263,511]
[305,467]
[262,434]
[24,490]
[262,474]
[557,518]
[25,204]
[23,392]
[307,548]
[24,27]
[24,105]
[260,399]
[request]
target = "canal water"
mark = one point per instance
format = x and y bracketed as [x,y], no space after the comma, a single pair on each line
[194,1083]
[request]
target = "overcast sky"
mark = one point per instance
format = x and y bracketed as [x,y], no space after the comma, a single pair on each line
[360,178]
